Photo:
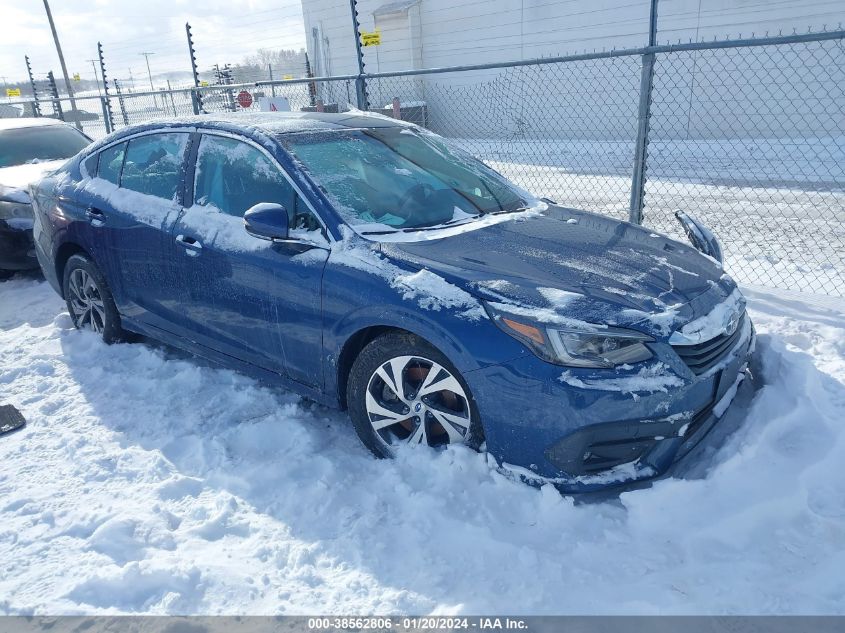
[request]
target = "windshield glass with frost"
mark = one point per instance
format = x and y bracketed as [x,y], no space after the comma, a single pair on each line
[393,178]
[33,144]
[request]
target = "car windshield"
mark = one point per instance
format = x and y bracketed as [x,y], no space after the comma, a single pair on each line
[395,178]
[33,144]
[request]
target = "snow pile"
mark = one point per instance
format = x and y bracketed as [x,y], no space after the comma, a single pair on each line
[148,482]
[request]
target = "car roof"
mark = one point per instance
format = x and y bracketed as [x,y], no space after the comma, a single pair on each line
[24,122]
[273,123]
[287,122]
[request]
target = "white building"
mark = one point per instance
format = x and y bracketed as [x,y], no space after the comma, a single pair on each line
[594,99]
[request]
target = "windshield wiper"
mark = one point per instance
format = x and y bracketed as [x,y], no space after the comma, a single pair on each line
[503,211]
[414,229]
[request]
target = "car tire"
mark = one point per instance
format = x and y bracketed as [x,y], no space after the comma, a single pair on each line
[385,420]
[6,274]
[89,300]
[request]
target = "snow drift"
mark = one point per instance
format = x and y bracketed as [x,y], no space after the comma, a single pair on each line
[149,482]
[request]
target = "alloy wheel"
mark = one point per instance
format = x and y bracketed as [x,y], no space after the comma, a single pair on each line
[86,301]
[414,400]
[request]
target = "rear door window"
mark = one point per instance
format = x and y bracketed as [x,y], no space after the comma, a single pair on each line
[110,162]
[153,164]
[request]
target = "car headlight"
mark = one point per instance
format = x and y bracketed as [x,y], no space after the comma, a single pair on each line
[603,346]
[13,210]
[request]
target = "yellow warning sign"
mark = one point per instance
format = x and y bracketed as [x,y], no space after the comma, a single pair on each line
[76,77]
[371,39]
[203,84]
[13,92]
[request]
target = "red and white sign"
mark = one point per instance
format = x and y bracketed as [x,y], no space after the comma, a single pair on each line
[273,104]
[244,99]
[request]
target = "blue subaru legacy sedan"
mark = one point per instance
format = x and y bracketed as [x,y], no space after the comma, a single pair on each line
[370,265]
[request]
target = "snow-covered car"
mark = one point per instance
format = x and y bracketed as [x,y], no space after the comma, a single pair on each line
[368,264]
[28,149]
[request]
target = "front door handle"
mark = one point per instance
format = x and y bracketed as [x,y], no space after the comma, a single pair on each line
[95,216]
[191,245]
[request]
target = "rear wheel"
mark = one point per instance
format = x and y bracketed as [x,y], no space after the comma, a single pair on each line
[404,391]
[89,299]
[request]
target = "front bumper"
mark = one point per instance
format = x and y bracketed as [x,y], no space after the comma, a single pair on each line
[17,251]
[582,436]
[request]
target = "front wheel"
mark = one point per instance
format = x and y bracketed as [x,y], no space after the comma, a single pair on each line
[402,391]
[89,299]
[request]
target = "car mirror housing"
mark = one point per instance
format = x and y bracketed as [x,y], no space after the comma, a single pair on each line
[700,236]
[267,220]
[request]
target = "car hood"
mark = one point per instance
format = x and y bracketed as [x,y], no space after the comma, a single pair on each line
[14,181]
[574,266]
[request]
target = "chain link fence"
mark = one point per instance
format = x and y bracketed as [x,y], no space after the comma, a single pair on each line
[551,128]
[747,135]
[752,141]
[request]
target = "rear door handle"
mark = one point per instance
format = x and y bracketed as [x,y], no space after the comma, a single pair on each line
[95,216]
[191,245]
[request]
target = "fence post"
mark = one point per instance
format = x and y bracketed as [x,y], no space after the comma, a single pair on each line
[108,115]
[360,82]
[104,102]
[121,103]
[172,100]
[196,97]
[635,211]
[312,86]
[272,87]
[36,107]
[54,92]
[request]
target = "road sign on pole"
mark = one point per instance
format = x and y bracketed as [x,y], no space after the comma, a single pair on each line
[244,99]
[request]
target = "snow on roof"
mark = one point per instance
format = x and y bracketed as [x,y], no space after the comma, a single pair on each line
[14,124]
[274,123]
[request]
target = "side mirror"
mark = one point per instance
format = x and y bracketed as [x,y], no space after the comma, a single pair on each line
[700,236]
[267,220]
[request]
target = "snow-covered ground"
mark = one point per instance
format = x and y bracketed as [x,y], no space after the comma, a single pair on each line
[149,482]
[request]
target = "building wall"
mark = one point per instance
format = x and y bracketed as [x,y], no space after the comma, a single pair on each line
[595,99]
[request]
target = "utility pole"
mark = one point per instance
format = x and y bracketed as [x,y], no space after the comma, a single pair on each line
[150,75]
[96,78]
[64,67]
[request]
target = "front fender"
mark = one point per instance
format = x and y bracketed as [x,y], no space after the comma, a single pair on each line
[355,299]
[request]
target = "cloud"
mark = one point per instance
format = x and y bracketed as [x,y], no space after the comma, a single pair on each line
[225,31]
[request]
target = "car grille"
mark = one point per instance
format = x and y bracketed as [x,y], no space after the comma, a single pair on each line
[702,356]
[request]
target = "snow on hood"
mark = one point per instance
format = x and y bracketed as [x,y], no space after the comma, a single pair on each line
[15,180]
[428,289]
[595,270]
